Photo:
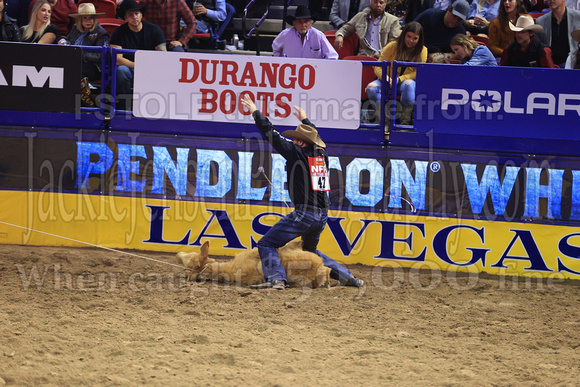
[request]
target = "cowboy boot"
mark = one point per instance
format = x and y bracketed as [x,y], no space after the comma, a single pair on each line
[86,99]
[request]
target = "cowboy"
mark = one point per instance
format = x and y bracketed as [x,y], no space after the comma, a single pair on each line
[301,40]
[527,50]
[308,185]
[135,34]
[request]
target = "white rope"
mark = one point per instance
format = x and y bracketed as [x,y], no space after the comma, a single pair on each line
[93,245]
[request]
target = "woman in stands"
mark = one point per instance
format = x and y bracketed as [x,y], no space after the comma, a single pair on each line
[500,36]
[87,32]
[481,14]
[407,48]
[39,29]
[470,52]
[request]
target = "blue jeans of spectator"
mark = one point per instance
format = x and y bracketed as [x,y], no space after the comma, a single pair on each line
[175,48]
[298,223]
[406,90]
[124,79]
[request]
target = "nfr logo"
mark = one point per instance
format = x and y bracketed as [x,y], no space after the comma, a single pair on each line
[37,78]
[491,101]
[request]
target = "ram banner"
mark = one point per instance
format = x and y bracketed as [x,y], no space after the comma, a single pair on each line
[208,87]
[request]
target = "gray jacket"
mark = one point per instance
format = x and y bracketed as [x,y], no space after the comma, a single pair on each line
[573,24]
[339,12]
[389,29]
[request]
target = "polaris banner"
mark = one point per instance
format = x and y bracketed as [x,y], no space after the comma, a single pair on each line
[49,87]
[498,101]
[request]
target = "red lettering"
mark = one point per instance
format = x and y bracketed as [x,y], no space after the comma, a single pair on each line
[205,101]
[249,75]
[224,101]
[265,98]
[286,110]
[241,107]
[185,66]
[204,71]
[291,78]
[302,78]
[270,71]
[227,71]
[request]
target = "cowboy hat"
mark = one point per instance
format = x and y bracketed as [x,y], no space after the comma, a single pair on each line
[526,23]
[129,5]
[302,12]
[86,9]
[576,35]
[305,133]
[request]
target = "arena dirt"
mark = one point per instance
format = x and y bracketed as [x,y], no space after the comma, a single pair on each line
[93,317]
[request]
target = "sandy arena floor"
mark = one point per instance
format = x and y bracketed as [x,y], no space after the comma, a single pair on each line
[94,317]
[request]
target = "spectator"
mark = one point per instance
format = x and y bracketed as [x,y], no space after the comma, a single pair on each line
[407,48]
[211,13]
[39,30]
[60,11]
[167,15]
[301,40]
[9,31]
[374,27]
[573,62]
[441,26]
[87,32]
[527,50]
[471,53]
[557,27]
[18,9]
[135,34]
[343,10]
[482,12]
[500,36]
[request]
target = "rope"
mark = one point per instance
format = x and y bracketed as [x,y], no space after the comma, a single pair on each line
[93,245]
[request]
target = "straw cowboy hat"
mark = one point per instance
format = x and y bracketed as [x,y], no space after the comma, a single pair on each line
[526,23]
[305,133]
[576,35]
[302,12]
[86,9]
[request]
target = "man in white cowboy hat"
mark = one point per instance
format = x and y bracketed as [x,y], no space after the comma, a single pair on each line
[526,50]
[301,40]
[557,27]
[374,26]
[308,185]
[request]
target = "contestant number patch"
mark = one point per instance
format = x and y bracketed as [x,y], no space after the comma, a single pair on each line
[319,174]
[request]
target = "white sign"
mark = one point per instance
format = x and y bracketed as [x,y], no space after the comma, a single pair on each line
[207,87]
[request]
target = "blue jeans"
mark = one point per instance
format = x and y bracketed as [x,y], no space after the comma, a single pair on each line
[124,80]
[298,223]
[406,89]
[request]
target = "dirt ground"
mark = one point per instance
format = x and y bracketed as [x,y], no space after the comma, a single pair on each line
[95,317]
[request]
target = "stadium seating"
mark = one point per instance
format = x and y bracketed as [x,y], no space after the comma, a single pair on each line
[109,24]
[349,47]
[368,73]
[109,7]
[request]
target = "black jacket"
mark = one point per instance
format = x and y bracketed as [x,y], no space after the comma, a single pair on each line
[297,171]
[9,31]
[99,37]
